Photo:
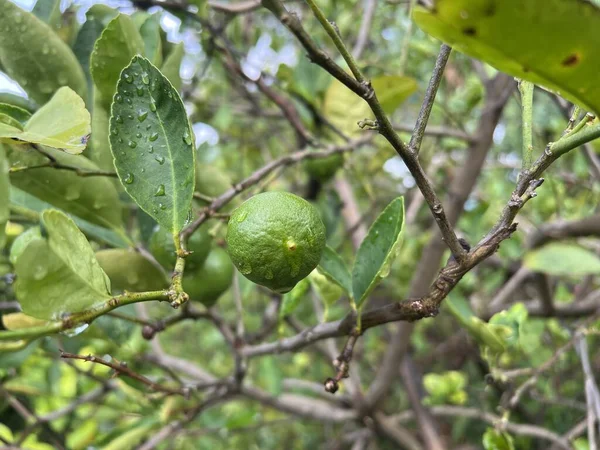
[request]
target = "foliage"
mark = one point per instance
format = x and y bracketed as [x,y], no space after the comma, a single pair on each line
[144,128]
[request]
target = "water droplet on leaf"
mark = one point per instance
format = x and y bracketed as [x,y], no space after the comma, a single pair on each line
[160,191]
[129,178]
[142,115]
[153,137]
[160,159]
[132,144]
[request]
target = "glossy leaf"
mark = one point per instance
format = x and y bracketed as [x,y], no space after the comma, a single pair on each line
[59,275]
[9,125]
[62,123]
[150,32]
[377,250]
[129,270]
[119,42]
[151,142]
[4,193]
[334,268]
[24,200]
[19,114]
[344,108]
[526,40]
[94,199]
[172,65]
[33,55]
[561,258]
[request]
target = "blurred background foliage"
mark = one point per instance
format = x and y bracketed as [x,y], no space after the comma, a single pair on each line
[237,131]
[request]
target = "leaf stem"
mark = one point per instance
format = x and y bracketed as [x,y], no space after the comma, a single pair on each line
[526,90]
[337,40]
[87,317]
[176,292]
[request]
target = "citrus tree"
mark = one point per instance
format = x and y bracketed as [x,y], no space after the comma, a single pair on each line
[272,224]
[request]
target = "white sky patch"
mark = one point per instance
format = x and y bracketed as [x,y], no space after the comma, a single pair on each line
[499,133]
[205,134]
[263,58]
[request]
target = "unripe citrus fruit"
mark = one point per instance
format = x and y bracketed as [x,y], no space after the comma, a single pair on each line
[211,280]
[324,168]
[276,239]
[163,248]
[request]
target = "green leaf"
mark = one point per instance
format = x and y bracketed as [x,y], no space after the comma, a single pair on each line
[24,200]
[61,274]
[119,42]
[172,65]
[291,300]
[444,388]
[99,148]
[4,192]
[150,32]
[377,250]
[344,108]
[561,258]
[481,331]
[89,32]
[62,123]
[19,114]
[151,142]
[33,55]
[334,268]
[22,241]
[329,292]
[129,270]
[94,199]
[497,440]
[525,40]
[48,11]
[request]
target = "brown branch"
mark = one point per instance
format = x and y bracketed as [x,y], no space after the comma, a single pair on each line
[122,368]
[477,414]
[264,171]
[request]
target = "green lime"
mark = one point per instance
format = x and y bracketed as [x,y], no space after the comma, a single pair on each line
[324,168]
[163,248]
[276,239]
[208,283]
[212,182]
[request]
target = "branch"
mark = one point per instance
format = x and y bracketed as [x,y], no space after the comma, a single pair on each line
[477,414]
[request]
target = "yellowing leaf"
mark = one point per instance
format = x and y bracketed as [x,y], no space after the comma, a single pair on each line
[62,123]
[18,321]
[526,39]
[344,108]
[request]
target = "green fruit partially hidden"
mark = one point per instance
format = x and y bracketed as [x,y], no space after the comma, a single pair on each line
[212,280]
[163,248]
[276,239]
[324,168]
[130,271]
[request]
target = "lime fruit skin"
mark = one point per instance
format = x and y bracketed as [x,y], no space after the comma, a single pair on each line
[324,169]
[275,239]
[161,245]
[211,280]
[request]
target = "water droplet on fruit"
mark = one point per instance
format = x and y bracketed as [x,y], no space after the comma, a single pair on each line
[153,137]
[129,178]
[245,269]
[160,191]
